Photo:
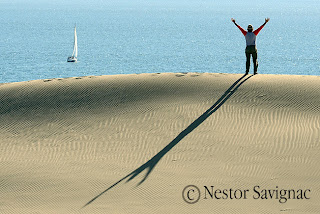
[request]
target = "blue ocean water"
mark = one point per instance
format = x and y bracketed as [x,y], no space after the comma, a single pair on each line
[150,36]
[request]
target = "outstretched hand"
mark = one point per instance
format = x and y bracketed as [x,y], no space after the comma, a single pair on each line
[267,19]
[234,21]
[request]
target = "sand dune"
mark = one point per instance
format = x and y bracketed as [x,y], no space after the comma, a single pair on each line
[132,143]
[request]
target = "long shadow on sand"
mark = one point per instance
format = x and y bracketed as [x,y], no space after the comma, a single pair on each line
[149,165]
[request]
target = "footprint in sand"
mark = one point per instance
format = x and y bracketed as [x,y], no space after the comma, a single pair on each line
[180,75]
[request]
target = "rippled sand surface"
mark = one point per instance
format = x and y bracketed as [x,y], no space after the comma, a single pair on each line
[132,143]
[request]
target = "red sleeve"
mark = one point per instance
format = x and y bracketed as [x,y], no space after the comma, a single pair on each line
[258,30]
[242,30]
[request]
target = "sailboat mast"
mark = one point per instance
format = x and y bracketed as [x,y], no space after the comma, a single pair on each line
[75,42]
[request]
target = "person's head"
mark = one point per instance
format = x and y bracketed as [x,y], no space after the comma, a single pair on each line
[250,28]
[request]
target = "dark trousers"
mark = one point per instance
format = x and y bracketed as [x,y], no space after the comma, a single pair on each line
[252,50]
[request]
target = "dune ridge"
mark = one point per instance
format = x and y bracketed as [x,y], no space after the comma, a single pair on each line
[65,142]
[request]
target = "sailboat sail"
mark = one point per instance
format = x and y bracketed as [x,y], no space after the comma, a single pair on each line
[75,46]
[74,56]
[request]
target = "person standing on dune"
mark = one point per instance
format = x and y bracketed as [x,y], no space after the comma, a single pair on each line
[251,49]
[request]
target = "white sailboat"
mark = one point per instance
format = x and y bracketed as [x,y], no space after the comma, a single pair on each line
[74,56]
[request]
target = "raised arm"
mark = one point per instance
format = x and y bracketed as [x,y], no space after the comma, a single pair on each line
[258,30]
[240,28]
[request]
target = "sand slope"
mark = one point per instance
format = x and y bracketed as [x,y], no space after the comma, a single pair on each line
[64,142]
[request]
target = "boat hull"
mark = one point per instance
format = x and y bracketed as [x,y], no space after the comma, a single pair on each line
[71,59]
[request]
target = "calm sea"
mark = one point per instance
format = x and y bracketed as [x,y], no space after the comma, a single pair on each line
[150,36]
